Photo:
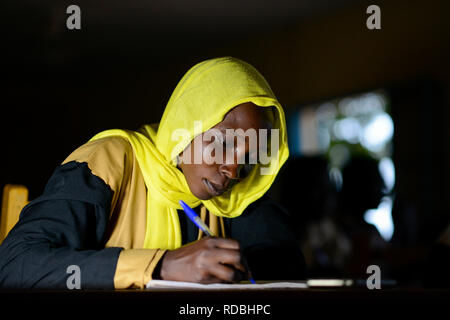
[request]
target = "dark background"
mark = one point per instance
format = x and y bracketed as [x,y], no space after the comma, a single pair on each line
[62,86]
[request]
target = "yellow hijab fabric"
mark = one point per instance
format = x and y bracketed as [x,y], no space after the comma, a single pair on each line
[205,93]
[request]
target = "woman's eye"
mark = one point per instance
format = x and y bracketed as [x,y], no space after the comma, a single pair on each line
[228,144]
[219,140]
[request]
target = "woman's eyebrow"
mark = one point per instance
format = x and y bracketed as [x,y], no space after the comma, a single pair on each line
[226,132]
[235,131]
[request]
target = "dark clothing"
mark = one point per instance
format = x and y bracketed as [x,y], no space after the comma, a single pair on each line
[68,225]
[265,237]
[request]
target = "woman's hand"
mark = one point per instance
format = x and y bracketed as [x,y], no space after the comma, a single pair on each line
[208,260]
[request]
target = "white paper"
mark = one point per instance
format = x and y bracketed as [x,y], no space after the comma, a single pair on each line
[155,284]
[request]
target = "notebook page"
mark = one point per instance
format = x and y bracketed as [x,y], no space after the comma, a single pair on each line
[152,284]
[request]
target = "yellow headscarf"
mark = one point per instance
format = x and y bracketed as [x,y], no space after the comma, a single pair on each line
[205,93]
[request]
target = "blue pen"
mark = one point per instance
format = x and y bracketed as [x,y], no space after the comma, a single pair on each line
[202,226]
[196,219]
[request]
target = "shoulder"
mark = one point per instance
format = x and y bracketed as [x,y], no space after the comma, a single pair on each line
[108,158]
[262,214]
[268,206]
[110,147]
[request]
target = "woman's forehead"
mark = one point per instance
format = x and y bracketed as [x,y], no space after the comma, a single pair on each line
[244,116]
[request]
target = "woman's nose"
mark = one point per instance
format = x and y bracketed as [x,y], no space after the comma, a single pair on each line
[231,171]
[232,165]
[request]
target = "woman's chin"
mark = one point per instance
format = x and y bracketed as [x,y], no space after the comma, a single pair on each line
[202,195]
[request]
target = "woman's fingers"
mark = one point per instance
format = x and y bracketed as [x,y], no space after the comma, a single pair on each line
[227,251]
[207,260]
[225,273]
[223,243]
[232,258]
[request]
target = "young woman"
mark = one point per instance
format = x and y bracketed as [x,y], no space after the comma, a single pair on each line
[112,207]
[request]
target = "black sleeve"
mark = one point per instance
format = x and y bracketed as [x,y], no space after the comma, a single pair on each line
[268,242]
[63,227]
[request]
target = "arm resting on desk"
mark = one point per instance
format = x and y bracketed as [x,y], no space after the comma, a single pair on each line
[67,226]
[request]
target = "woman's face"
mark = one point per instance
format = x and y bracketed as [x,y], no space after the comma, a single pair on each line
[207,178]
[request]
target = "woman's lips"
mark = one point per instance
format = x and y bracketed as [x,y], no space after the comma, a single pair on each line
[213,189]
